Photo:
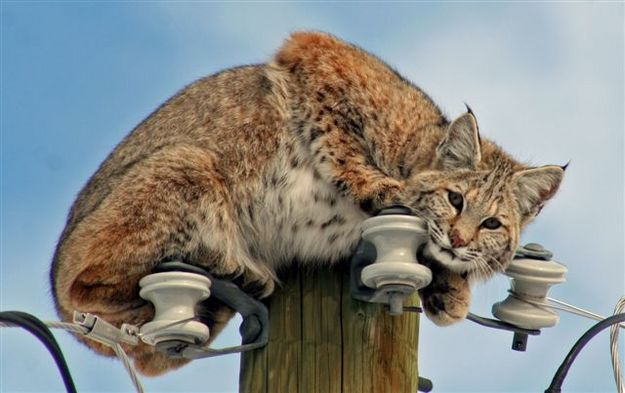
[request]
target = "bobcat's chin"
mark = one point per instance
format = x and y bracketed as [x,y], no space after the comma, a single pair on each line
[448,257]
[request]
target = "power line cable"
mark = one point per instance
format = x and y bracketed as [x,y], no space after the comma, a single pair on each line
[82,330]
[560,375]
[37,328]
[616,364]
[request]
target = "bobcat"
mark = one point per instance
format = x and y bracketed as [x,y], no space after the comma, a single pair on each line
[259,166]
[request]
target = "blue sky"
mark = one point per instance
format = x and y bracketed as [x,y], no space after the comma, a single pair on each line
[546,81]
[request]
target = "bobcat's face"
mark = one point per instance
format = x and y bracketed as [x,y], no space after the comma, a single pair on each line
[476,208]
[473,222]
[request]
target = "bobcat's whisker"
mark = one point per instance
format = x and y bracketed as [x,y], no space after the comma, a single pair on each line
[481,271]
[485,270]
[498,263]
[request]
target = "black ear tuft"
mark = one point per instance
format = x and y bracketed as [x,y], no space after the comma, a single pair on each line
[470,111]
[565,166]
[534,187]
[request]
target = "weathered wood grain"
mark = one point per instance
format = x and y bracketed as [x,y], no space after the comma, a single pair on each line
[323,341]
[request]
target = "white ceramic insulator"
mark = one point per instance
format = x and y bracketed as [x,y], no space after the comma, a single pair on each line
[530,279]
[396,239]
[175,296]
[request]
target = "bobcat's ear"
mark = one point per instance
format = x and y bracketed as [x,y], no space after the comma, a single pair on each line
[534,187]
[460,148]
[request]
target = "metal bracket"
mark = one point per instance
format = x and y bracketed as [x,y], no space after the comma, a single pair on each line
[100,330]
[254,329]
[364,256]
[519,341]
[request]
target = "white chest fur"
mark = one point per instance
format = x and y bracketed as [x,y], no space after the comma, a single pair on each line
[305,218]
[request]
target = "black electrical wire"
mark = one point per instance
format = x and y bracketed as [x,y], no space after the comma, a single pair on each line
[37,328]
[558,378]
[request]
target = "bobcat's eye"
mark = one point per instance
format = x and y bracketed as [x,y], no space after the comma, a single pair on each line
[491,223]
[456,200]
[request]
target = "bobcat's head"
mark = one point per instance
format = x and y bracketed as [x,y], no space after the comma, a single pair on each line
[476,200]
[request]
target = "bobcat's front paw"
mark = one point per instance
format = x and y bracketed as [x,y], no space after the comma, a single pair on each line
[447,299]
[380,194]
[444,309]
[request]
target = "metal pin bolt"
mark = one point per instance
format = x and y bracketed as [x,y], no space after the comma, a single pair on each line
[534,247]
[396,303]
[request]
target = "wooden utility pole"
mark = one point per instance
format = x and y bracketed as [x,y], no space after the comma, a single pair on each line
[323,341]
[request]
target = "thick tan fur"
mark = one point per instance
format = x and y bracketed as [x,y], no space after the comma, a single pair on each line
[258,166]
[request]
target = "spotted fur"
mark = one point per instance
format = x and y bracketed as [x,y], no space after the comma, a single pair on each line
[259,166]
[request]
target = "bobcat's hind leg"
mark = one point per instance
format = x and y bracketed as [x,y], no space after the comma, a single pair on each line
[155,213]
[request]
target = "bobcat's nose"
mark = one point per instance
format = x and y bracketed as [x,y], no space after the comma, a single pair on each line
[456,240]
